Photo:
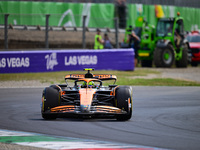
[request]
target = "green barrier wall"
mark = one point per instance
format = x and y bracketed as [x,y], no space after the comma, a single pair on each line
[68,14]
[98,15]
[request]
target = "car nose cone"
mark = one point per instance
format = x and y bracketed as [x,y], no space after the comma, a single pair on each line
[85,108]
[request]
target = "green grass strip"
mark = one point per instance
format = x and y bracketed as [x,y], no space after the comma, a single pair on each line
[15,139]
[124,78]
[157,82]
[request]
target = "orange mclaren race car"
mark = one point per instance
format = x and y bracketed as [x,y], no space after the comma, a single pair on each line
[87,97]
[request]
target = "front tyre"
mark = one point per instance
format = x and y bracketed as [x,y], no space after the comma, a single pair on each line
[123,99]
[50,99]
[164,57]
[183,62]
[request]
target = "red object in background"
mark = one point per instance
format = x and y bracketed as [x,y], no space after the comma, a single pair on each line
[194,42]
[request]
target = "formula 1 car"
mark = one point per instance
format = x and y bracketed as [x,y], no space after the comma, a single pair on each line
[87,97]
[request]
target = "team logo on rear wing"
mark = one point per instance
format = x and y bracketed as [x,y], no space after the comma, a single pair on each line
[96,76]
[75,76]
[105,76]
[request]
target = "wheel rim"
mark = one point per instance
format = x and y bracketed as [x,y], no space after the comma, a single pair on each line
[167,56]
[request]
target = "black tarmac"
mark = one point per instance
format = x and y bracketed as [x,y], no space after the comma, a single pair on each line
[163,117]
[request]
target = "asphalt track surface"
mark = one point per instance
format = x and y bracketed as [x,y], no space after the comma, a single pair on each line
[163,117]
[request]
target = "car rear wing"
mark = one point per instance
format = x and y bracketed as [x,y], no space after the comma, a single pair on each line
[95,76]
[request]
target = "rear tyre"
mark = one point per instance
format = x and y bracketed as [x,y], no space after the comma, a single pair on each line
[183,62]
[146,63]
[164,57]
[55,87]
[50,100]
[123,99]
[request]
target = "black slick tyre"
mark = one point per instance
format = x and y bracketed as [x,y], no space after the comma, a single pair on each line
[50,100]
[164,57]
[123,99]
[183,62]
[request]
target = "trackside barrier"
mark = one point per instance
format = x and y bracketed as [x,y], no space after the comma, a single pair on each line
[66,60]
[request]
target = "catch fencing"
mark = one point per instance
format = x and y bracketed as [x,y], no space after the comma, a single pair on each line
[83,17]
[57,22]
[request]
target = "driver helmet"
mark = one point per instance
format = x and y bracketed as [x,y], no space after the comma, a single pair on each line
[84,83]
[90,84]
